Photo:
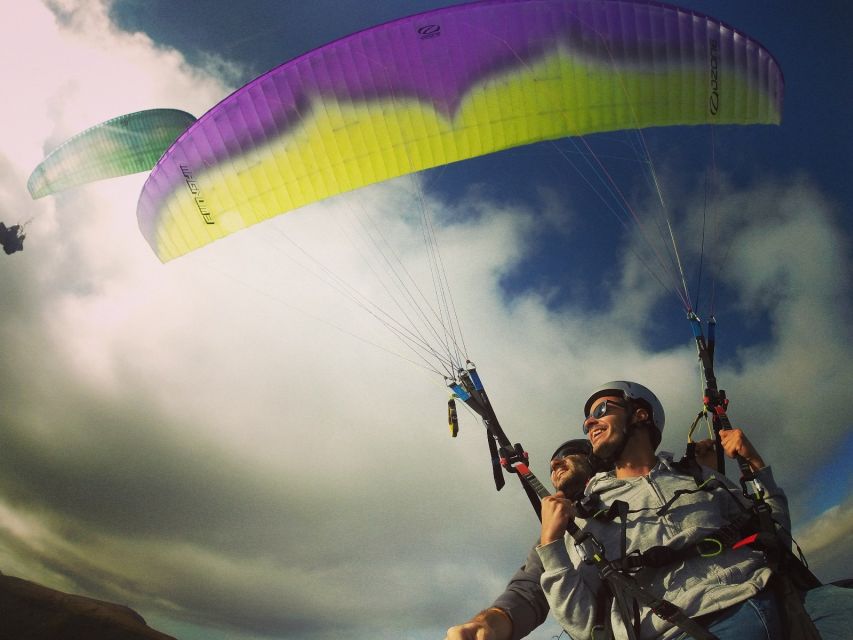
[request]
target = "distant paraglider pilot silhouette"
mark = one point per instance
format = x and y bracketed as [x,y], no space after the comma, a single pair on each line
[12,238]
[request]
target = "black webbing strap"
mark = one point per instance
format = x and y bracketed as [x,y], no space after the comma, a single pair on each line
[502,454]
[688,464]
[497,471]
[628,594]
[796,621]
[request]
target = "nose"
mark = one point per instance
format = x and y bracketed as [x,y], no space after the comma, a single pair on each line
[587,424]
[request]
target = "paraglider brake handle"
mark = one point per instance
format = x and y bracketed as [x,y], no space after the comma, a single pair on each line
[717,401]
[510,457]
[716,398]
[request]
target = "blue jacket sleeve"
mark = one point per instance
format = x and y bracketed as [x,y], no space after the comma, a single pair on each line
[523,599]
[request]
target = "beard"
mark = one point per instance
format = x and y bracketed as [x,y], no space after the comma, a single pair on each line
[574,480]
[608,451]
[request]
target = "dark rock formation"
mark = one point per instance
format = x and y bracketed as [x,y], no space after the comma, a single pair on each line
[29,611]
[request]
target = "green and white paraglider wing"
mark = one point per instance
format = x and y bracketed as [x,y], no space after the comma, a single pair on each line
[121,146]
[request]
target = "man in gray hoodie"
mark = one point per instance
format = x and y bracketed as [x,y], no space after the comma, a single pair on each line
[725,590]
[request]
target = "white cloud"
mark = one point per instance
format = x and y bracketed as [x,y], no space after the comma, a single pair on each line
[827,542]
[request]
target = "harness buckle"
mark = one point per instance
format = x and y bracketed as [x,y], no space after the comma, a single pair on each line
[590,549]
[665,610]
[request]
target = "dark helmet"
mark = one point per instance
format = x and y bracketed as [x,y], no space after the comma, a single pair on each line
[575,484]
[578,446]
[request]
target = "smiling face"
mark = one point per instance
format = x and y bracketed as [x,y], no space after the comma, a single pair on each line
[570,474]
[608,431]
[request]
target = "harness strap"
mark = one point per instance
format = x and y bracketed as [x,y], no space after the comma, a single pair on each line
[623,585]
[796,621]
[688,465]
[601,613]
[625,590]
[790,575]
[708,485]
[733,535]
[497,474]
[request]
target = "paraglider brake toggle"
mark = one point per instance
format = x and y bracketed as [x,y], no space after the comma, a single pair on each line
[716,400]
[510,457]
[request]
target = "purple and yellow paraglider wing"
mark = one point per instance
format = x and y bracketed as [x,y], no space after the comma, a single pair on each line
[445,86]
[121,146]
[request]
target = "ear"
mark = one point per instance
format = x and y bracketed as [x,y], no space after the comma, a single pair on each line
[641,414]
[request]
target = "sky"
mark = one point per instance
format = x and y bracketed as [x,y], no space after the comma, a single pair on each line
[229,446]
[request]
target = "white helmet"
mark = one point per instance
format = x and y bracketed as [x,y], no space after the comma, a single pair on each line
[631,391]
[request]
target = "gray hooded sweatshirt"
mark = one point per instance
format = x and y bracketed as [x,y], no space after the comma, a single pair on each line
[698,585]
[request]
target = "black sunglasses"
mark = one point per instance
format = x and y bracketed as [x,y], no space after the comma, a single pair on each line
[601,410]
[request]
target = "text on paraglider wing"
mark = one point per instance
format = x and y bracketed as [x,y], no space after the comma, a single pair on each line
[192,185]
[429,31]
[714,97]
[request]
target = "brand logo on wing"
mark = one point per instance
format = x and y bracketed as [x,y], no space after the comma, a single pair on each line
[200,203]
[429,31]
[714,97]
